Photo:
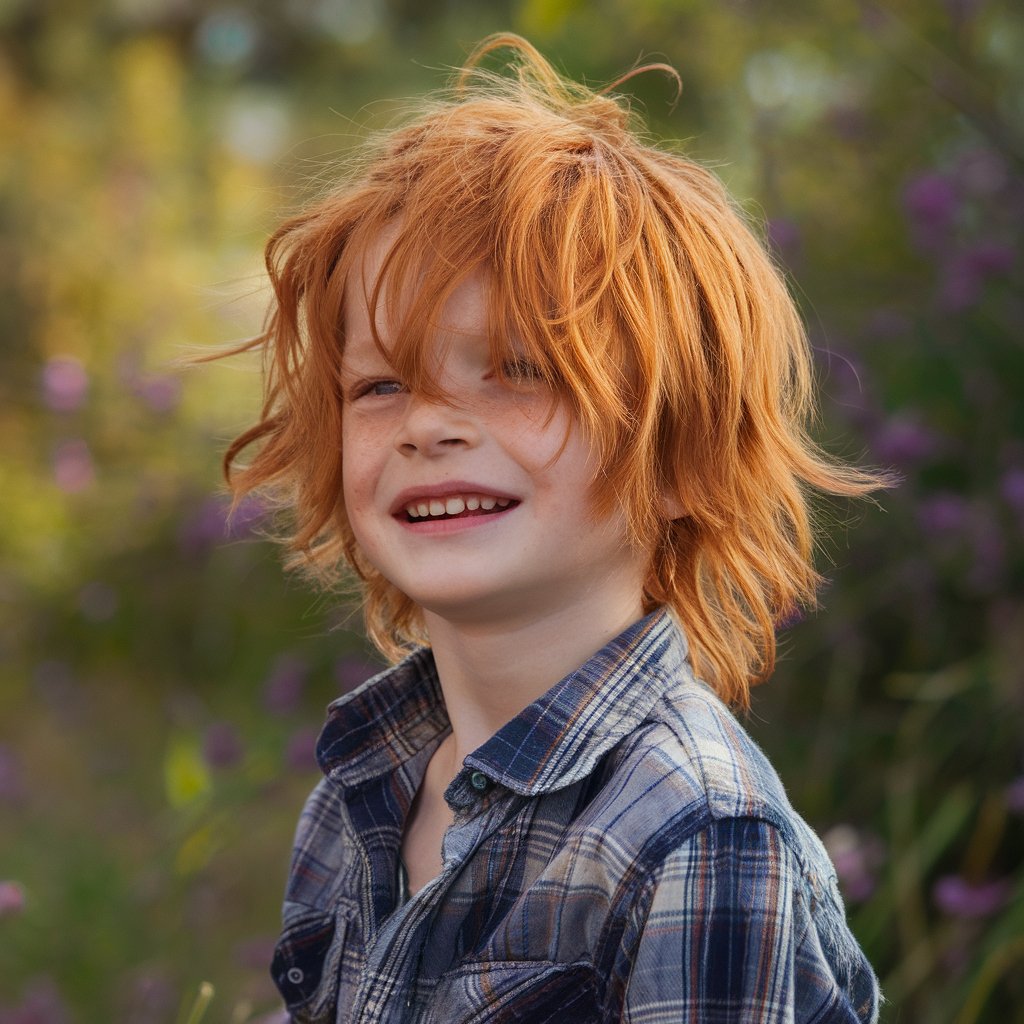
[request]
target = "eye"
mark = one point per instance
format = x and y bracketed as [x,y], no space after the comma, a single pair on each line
[377,388]
[522,370]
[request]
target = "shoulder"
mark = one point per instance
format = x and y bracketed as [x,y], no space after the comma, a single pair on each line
[690,767]
[734,899]
[724,844]
[705,759]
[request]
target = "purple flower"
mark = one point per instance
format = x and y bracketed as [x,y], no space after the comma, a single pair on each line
[12,778]
[905,440]
[965,274]
[282,692]
[957,897]
[1012,488]
[222,746]
[204,527]
[246,519]
[888,323]
[1015,796]
[988,552]
[856,857]
[212,523]
[846,384]
[943,513]
[351,671]
[73,469]
[931,203]
[161,393]
[300,753]
[784,237]
[12,898]
[990,259]
[65,384]
[42,1004]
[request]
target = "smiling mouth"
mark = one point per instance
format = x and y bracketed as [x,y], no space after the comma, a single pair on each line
[455,506]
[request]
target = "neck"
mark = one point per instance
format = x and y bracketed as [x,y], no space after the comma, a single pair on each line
[490,671]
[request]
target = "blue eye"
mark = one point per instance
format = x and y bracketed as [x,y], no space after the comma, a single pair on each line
[377,388]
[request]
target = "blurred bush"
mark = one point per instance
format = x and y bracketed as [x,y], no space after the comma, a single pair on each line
[161,685]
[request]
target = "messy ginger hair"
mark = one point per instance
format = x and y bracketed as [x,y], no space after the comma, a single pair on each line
[625,273]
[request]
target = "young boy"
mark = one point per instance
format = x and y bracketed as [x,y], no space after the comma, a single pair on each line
[537,384]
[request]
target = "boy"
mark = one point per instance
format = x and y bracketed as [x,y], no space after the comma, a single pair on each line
[540,388]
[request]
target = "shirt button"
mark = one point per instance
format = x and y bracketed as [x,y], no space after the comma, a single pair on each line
[479,781]
[295,975]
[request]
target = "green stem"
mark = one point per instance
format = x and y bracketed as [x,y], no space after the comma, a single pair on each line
[203,999]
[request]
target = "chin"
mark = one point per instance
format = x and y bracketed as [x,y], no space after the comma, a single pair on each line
[477,605]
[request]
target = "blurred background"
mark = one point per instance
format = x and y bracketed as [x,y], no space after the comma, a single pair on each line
[162,682]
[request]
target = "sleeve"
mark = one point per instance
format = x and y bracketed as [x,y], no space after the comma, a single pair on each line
[728,938]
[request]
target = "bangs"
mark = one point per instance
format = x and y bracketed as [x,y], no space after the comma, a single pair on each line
[538,233]
[416,278]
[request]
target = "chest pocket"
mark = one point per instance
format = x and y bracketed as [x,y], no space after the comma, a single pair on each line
[529,992]
[308,961]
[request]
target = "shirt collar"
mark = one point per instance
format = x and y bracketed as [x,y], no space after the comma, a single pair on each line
[554,742]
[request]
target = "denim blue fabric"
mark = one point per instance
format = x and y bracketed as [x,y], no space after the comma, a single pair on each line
[621,851]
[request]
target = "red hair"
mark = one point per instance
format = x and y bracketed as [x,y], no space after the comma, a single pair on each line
[626,273]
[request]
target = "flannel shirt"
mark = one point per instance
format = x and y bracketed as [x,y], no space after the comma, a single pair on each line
[621,851]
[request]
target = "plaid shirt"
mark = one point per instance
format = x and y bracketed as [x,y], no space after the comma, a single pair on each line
[621,851]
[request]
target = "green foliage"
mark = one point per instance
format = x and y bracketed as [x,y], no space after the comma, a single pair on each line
[161,684]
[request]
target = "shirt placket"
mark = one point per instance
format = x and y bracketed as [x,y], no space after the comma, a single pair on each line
[393,957]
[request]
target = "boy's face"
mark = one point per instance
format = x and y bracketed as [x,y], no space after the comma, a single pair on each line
[479,510]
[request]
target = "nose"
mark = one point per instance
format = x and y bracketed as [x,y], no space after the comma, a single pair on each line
[433,428]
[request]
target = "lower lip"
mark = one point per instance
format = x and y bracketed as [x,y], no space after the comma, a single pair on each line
[456,525]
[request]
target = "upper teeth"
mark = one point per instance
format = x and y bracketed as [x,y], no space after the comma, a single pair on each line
[454,505]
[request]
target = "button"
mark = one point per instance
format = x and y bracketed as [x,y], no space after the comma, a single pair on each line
[295,975]
[479,781]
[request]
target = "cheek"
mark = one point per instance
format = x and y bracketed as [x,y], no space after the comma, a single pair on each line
[358,501]
[571,467]
[357,474]
[544,444]
[349,469]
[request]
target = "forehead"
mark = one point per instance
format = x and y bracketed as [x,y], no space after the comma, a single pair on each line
[394,300]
